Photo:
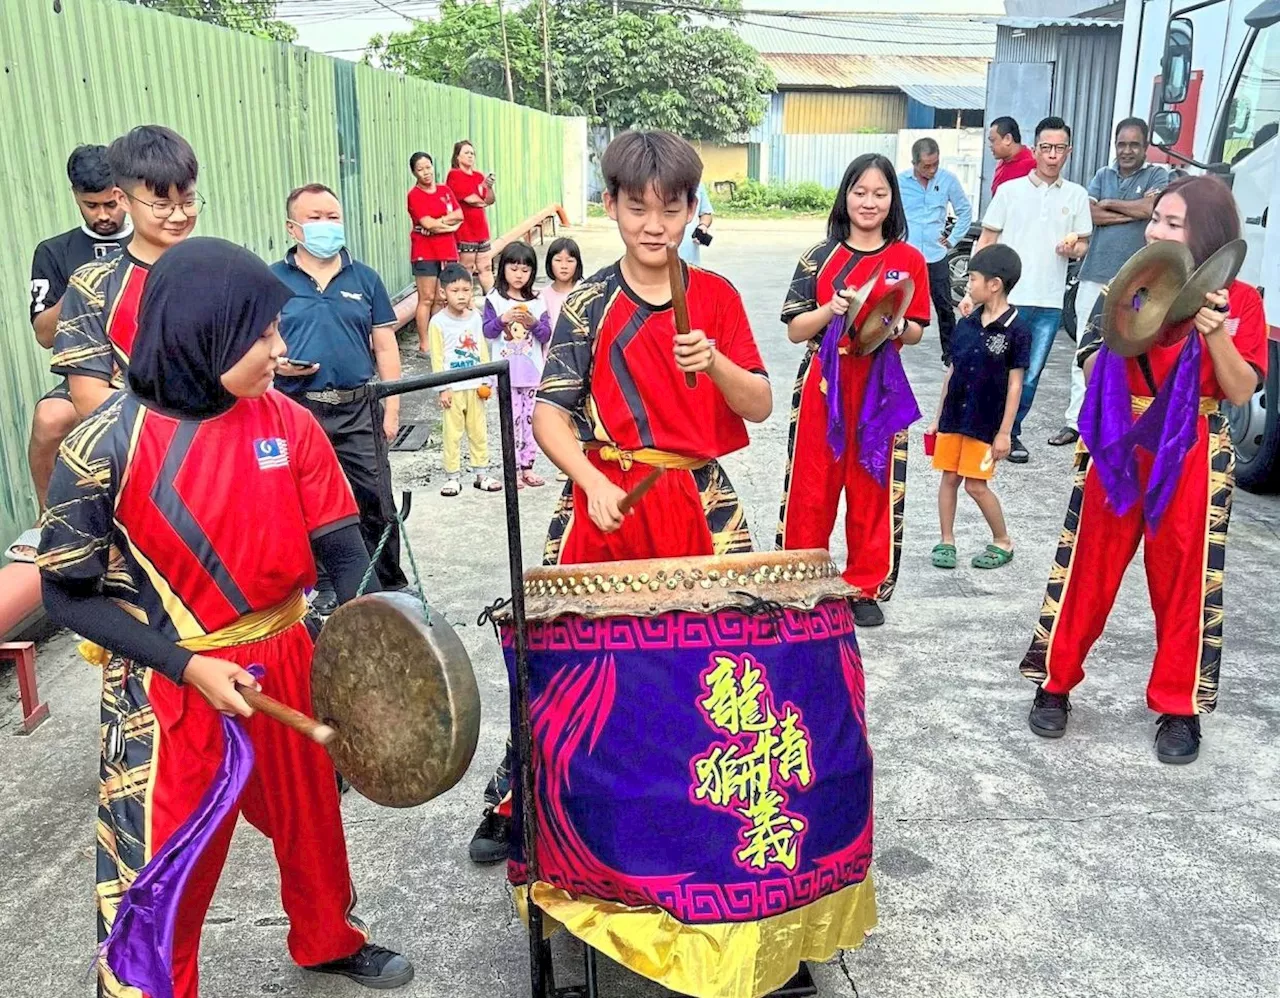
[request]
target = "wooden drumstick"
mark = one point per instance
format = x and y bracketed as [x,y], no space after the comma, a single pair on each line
[629,501]
[309,726]
[679,306]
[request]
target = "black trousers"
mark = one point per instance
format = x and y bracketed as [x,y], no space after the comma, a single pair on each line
[940,292]
[355,430]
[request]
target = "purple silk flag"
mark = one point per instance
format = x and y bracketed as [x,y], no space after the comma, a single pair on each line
[715,766]
[829,365]
[1167,430]
[139,948]
[888,407]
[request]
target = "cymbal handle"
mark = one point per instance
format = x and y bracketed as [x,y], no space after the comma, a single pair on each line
[320,733]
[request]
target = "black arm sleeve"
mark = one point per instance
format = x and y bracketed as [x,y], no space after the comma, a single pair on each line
[79,607]
[346,559]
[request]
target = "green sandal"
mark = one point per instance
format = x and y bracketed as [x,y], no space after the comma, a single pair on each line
[944,556]
[993,557]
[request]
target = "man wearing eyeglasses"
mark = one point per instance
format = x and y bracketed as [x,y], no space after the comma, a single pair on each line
[1046,220]
[155,169]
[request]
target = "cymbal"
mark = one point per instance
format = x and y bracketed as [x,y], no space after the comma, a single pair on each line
[1214,274]
[1141,294]
[400,693]
[884,317]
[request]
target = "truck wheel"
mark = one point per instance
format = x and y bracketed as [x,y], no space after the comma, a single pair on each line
[1255,432]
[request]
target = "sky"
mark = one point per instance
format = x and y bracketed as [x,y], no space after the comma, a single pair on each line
[342,27]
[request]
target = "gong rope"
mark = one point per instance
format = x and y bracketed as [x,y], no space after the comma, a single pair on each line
[413,564]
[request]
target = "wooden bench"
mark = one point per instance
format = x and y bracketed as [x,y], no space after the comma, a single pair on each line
[21,610]
[537,222]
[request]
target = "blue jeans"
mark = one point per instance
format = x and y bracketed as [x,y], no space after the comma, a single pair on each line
[1044,323]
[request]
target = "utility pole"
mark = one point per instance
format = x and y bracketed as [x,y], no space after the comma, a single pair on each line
[506,53]
[546,56]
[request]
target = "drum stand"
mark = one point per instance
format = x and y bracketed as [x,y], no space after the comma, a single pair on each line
[541,969]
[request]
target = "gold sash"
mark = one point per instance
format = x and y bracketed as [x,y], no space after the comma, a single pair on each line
[257,626]
[1141,403]
[647,455]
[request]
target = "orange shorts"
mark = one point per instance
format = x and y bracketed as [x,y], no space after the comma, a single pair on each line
[967,457]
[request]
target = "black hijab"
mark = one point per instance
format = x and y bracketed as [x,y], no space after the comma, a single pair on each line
[206,302]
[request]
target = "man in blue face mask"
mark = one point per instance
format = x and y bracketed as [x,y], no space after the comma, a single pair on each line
[341,326]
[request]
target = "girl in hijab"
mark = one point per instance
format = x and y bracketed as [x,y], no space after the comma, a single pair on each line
[178,541]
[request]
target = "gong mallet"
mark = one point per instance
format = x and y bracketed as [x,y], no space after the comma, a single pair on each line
[679,306]
[320,733]
[628,502]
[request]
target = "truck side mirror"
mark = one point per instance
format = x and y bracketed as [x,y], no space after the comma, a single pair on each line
[1166,127]
[1176,65]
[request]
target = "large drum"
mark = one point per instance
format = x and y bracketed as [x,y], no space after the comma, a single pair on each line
[703,774]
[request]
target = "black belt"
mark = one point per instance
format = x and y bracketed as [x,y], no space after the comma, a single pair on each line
[338,396]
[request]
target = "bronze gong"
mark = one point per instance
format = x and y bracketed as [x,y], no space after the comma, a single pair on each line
[401,696]
[884,317]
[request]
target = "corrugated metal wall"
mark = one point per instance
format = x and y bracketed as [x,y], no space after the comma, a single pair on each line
[1026,44]
[823,158]
[807,112]
[263,117]
[1084,94]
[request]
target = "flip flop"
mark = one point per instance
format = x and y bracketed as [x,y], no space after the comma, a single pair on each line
[993,557]
[531,479]
[944,556]
[24,548]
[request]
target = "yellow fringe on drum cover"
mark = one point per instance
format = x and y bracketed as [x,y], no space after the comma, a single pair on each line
[719,960]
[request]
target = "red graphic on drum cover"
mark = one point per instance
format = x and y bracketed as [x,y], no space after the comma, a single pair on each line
[763,753]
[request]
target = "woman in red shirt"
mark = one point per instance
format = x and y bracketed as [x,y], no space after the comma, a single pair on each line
[1155,465]
[436,217]
[475,191]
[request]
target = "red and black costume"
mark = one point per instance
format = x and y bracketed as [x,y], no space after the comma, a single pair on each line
[181,520]
[815,477]
[610,366]
[1184,542]
[99,318]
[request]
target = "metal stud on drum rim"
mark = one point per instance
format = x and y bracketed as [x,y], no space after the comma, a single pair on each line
[402,696]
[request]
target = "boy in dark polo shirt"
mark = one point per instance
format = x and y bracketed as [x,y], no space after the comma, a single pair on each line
[990,351]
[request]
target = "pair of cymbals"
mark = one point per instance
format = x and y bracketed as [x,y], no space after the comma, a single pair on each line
[884,317]
[1153,295]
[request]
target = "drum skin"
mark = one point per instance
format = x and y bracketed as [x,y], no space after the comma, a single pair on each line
[401,693]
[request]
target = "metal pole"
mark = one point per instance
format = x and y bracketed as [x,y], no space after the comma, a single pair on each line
[524,729]
[539,957]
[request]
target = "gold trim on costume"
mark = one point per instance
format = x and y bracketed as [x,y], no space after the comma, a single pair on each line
[650,456]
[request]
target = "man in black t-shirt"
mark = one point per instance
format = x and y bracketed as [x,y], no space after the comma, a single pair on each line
[990,351]
[105,228]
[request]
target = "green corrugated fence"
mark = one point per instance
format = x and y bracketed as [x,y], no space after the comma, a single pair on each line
[263,118]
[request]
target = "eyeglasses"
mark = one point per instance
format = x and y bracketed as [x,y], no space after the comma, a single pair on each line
[162,210]
[1046,148]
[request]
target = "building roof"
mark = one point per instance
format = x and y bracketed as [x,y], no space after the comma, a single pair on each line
[893,72]
[1030,23]
[799,33]
[952,98]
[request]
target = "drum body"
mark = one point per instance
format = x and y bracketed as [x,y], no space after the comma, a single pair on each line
[701,754]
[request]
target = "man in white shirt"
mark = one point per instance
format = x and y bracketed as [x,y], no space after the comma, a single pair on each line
[696,233]
[1046,220]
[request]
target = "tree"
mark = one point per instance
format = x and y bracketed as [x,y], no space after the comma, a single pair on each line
[254,18]
[637,68]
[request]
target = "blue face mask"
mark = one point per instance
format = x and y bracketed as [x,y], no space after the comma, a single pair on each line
[323,239]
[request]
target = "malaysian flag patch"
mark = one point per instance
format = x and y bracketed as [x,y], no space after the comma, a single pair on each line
[273,452]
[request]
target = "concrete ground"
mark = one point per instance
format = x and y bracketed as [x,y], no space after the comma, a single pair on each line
[1007,866]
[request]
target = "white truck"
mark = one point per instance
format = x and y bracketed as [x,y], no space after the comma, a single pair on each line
[1208,75]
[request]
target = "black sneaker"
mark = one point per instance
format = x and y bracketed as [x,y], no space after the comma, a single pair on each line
[372,966]
[1018,451]
[1049,712]
[1178,740]
[490,844]
[867,613]
[325,601]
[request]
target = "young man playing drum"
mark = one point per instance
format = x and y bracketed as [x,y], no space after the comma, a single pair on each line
[614,404]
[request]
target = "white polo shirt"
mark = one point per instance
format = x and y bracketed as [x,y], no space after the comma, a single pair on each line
[1032,217]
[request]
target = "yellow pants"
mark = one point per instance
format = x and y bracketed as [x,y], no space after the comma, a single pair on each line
[465,415]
